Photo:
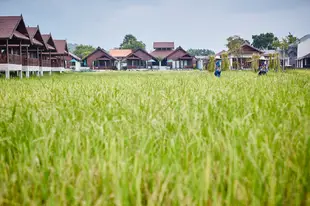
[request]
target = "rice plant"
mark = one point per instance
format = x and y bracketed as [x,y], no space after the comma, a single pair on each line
[155,138]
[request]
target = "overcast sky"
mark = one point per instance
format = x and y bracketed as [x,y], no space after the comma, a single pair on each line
[189,23]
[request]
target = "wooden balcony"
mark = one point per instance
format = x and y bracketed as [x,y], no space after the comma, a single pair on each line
[13,59]
[31,61]
[45,63]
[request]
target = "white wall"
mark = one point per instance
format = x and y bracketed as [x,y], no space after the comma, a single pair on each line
[11,67]
[303,48]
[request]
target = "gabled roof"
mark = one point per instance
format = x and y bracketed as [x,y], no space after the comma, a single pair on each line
[161,53]
[122,53]
[9,26]
[35,36]
[249,45]
[186,54]
[61,46]
[157,45]
[100,50]
[74,56]
[145,56]
[48,39]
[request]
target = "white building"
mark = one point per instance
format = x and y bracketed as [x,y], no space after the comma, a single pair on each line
[303,52]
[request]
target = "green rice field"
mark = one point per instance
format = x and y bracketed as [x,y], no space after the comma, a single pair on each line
[155,138]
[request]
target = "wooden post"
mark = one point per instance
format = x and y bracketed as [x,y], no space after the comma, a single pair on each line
[50,58]
[41,64]
[7,52]
[27,55]
[20,52]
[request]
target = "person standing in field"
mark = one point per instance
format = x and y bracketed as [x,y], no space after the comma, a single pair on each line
[218,71]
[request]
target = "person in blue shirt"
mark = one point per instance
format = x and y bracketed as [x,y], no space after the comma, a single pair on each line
[263,70]
[218,71]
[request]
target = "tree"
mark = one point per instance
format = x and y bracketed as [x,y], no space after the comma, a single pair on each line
[131,42]
[264,40]
[234,45]
[83,50]
[291,39]
[200,52]
[211,64]
[225,61]
[255,62]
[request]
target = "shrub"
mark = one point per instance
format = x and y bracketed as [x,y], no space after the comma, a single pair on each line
[225,62]
[211,64]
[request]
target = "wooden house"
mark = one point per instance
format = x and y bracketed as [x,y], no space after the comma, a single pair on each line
[120,56]
[99,60]
[171,58]
[14,37]
[32,60]
[244,58]
[140,59]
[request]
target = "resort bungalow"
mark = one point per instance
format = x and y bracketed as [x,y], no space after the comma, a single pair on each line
[14,38]
[59,63]
[169,57]
[120,56]
[140,59]
[33,55]
[303,52]
[245,57]
[180,59]
[51,61]
[99,60]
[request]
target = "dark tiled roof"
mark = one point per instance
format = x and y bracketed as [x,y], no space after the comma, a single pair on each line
[100,50]
[46,37]
[20,35]
[161,53]
[140,54]
[8,25]
[61,46]
[32,32]
[158,45]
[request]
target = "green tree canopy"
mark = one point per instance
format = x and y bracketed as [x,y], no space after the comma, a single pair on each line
[200,52]
[234,43]
[131,42]
[264,41]
[83,50]
[291,38]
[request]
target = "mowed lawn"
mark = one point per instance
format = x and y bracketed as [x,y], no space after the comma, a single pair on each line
[155,138]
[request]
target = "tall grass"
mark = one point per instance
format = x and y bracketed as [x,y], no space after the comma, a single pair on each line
[155,139]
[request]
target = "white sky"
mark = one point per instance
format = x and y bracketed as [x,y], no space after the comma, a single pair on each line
[189,23]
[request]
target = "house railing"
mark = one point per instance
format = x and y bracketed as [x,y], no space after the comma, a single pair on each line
[45,63]
[13,59]
[31,61]
[136,67]
[105,68]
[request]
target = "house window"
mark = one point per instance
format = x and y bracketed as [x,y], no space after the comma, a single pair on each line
[73,63]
